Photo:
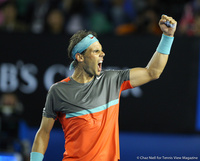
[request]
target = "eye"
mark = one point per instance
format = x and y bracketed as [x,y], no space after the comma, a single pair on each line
[96,51]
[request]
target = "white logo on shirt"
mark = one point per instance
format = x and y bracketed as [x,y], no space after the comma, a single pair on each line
[99,77]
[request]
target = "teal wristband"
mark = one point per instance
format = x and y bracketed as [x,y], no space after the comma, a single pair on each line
[165,44]
[35,156]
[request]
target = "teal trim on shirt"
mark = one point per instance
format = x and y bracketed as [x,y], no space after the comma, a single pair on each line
[94,110]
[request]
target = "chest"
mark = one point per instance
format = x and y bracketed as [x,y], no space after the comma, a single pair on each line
[87,99]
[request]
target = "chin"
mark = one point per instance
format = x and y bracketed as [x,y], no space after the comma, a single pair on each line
[98,73]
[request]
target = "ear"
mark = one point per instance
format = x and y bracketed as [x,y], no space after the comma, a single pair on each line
[79,57]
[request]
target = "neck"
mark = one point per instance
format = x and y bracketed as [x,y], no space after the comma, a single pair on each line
[82,76]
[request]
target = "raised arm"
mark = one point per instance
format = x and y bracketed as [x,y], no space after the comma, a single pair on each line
[42,139]
[140,76]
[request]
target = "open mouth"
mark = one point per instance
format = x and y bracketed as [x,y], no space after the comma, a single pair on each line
[100,66]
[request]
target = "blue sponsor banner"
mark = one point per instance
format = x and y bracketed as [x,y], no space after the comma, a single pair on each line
[198,100]
[10,156]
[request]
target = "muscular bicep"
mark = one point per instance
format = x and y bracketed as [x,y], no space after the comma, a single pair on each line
[139,76]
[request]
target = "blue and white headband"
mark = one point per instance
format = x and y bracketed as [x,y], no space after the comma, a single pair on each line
[82,45]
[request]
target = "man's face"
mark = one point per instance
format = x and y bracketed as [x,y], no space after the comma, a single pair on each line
[93,59]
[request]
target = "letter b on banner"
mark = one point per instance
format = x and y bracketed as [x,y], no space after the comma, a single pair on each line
[8,77]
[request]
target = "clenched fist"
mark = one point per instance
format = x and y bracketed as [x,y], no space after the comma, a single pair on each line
[167,25]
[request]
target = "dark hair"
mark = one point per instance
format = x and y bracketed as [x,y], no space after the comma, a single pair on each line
[75,39]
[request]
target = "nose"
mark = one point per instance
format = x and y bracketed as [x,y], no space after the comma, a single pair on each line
[102,54]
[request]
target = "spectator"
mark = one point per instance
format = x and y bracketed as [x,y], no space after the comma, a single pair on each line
[36,15]
[11,122]
[1,13]
[123,14]
[189,22]
[148,17]
[147,22]
[10,22]
[97,16]
[10,112]
[55,22]
[74,15]
[197,24]
[22,7]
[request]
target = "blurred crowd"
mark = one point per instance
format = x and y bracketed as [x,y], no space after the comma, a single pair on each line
[102,16]
[13,137]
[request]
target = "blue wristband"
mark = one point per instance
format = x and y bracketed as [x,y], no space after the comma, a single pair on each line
[165,44]
[35,156]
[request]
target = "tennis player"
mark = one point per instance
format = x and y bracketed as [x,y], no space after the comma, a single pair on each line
[87,103]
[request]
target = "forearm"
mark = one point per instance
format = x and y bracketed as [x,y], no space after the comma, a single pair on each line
[159,60]
[153,70]
[41,142]
[41,139]
[157,64]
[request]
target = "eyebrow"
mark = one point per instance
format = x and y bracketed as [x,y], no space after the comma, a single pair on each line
[96,50]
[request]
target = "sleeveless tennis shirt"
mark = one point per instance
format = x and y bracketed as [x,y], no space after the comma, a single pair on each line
[88,113]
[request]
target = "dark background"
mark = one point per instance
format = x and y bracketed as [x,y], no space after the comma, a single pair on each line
[159,122]
[167,104]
